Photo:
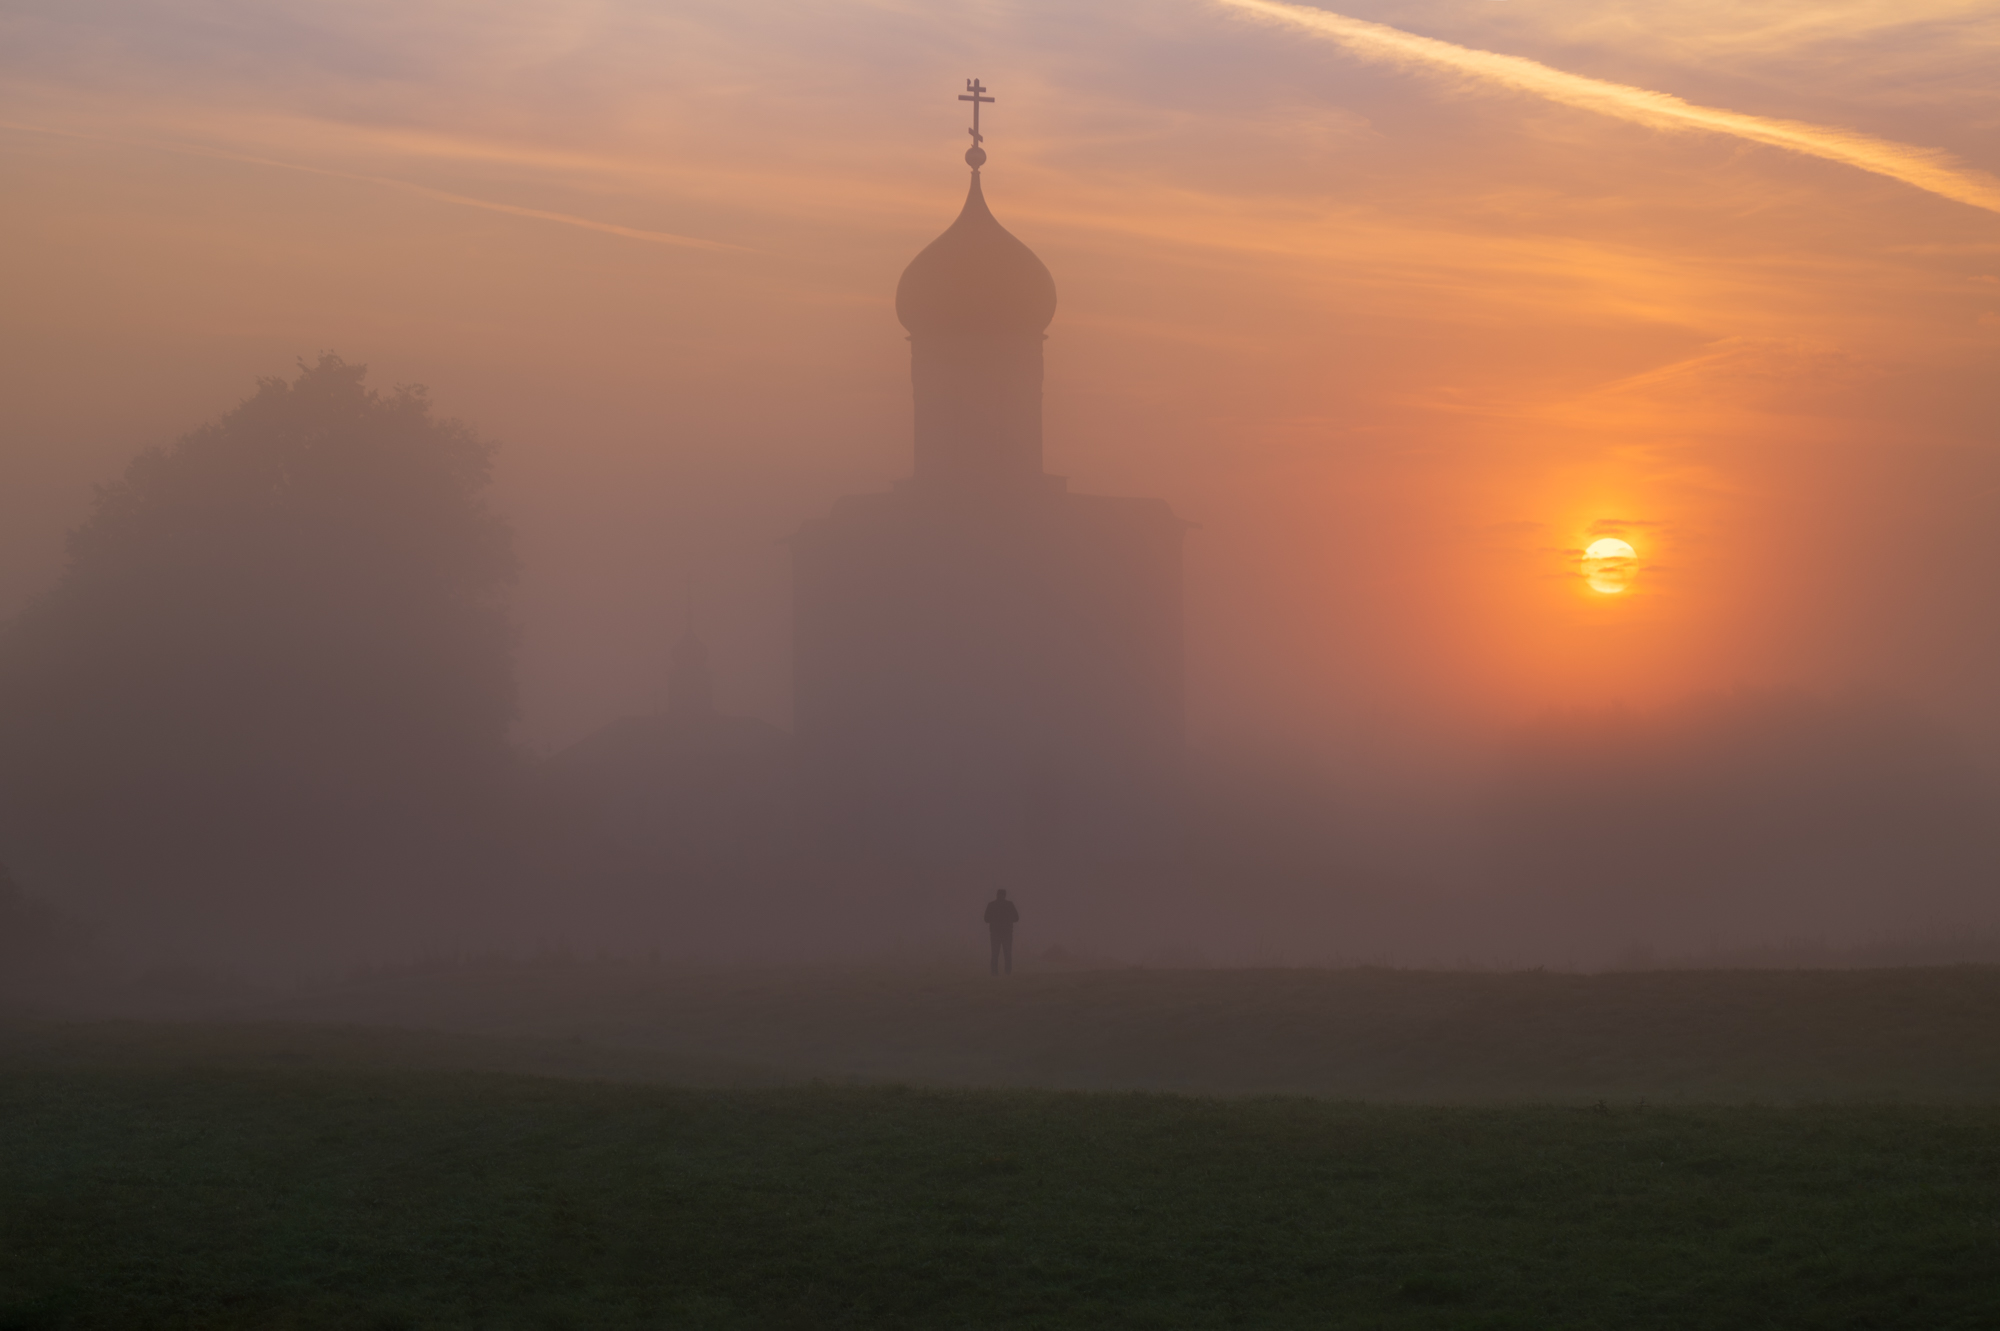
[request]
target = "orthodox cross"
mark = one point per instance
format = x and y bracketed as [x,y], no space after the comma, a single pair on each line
[975,93]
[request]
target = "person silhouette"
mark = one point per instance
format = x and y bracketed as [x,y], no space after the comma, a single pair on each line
[1001,917]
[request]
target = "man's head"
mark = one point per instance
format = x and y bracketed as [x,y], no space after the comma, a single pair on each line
[1000,894]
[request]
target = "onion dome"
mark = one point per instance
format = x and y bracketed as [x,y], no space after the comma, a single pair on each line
[976,279]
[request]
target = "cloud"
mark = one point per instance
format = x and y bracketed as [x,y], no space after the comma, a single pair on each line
[567,219]
[1925,168]
[442,196]
[589,224]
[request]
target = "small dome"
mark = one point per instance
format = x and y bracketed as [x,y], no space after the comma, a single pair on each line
[976,278]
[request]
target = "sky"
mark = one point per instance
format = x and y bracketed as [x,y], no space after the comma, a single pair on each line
[1401,304]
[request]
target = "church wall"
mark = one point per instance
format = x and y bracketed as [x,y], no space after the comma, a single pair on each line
[978,406]
[992,679]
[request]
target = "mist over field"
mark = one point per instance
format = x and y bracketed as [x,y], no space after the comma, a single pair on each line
[739,664]
[304,667]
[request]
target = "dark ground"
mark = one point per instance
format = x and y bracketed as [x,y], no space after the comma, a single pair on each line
[286,1173]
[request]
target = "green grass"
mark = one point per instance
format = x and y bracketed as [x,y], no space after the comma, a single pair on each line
[213,1179]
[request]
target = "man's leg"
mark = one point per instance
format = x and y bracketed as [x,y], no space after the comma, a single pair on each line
[994,936]
[1007,950]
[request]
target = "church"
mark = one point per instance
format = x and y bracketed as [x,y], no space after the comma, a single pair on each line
[986,664]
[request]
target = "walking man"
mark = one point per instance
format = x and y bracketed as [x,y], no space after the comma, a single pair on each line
[1001,917]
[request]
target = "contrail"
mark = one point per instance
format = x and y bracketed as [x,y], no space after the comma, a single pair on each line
[608,228]
[1926,168]
[463,200]
[467,201]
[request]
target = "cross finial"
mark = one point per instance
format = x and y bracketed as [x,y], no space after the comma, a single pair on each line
[975,92]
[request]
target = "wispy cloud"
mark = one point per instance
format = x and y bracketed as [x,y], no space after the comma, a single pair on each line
[539,214]
[1926,168]
[410,187]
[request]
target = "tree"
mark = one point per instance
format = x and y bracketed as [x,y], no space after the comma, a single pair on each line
[277,642]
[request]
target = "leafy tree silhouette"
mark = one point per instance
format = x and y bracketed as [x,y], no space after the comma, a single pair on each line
[278,643]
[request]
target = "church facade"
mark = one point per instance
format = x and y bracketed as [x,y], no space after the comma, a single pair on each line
[985,663]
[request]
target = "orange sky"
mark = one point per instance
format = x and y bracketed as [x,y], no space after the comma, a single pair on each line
[1401,332]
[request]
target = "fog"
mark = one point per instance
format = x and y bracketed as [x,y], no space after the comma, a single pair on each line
[348,681]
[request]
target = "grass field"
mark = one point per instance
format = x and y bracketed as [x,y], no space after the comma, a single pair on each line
[1913,1035]
[300,1176]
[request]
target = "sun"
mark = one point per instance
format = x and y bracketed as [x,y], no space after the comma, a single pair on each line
[1608,564]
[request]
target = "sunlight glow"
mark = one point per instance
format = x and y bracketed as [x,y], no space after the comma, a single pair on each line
[1607,565]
